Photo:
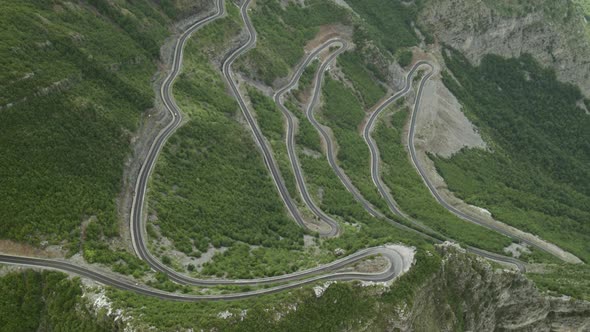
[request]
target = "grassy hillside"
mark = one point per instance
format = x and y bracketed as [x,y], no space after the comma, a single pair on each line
[537,174]
[75,81]
[413,196]
[46,301]
[282,34]
[210,186]
[342,307]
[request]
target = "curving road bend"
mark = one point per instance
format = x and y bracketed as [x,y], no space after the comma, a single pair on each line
[434,191]
[327,140]
[137,225]
[368,129]
[296,279]
[374,150]
[290,137]
[260,140]
[392,271]
[331,155]
[325,272]
[374,155]
[376,176]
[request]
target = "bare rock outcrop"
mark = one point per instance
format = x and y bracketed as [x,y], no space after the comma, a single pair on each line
[467,293]
[553,32]
[442,127]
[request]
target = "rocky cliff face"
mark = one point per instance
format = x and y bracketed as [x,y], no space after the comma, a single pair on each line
[553,32]
[469,294]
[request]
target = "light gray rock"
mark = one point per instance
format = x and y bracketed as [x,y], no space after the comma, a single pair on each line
[469,294]
[553,32]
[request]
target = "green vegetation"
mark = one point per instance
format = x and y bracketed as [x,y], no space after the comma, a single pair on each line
[343,113]
[362,78]
[404,57]
[277,261]
[537,175]
[306,135]
[413,196]
[568,279]
[210,186]
[75,80]
[585,5]
[388,22]
[272,124]
[46,301]
[341,306]
[362,230]
[306,79]
[282,34]
[558,12]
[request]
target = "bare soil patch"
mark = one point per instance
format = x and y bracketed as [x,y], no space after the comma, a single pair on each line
[326,33]
[434,115]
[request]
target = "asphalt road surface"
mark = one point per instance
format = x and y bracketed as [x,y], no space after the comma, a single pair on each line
[290,138]
[432,188]
[324,272]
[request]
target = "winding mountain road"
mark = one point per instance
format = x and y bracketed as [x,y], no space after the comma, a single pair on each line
[324,272]
[416,162]
[290,137]
[368,129]
[396,262]
[327,140]
[331,156]
[258,136]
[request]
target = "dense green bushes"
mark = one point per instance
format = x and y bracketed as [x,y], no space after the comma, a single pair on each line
[564,278]
[362,78]
[46,301]
[243,262]
[71,94]
[413,196]
[404,57]
[272,124]
[341,306]
[537,174]
[333,198]
[343,113]
[210,186]
[389,22]
[306,79]
[283,32]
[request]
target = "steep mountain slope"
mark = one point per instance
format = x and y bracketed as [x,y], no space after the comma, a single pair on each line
[446,290]
[537,120]
[75,82]
[553,32]
[473,296]
[535,173]
[91,83]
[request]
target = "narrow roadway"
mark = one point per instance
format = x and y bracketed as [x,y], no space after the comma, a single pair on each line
[325,272]
[368,129]
[258,137]
[394,269]
[330,154]
[327,140]
[290,138]
[138,228]
[434,191]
